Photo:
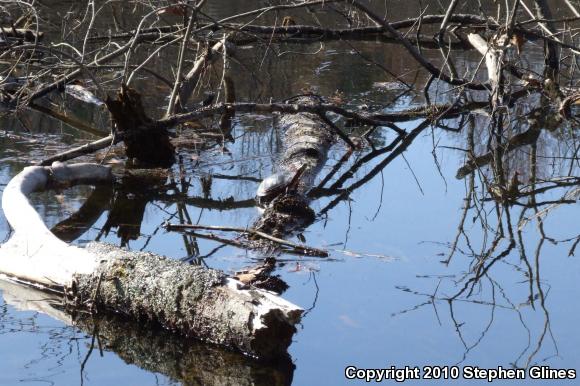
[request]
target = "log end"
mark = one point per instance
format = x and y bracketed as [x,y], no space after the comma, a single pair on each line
[273,340]
[272,322]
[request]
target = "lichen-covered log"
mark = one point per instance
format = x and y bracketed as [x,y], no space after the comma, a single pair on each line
[306,140]
[191,300]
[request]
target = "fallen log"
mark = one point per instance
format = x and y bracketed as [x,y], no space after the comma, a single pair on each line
[191,300]
[239,108]
[307,138]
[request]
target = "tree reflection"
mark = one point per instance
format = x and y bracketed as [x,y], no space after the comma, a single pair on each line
[181,360]
[522,176]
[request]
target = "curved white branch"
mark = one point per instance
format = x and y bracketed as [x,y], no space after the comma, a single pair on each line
[33,252]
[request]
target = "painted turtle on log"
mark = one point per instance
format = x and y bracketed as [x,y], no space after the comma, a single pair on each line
[278,183]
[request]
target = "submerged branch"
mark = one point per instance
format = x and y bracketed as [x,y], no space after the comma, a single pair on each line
[310,251]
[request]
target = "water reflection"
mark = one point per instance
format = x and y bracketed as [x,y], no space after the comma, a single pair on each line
[501,204]
[185,361]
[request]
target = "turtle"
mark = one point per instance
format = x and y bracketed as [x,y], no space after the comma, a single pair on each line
[278,183]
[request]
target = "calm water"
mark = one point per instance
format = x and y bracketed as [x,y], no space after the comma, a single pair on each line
[379,300]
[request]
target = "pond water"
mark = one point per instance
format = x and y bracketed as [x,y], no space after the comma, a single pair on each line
[384,297]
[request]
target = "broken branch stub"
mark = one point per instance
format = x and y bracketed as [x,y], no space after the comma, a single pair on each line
[147,147]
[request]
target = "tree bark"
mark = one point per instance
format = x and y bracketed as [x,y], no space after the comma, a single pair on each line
[307,138]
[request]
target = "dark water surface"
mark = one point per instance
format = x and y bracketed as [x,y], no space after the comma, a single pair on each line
[382,297]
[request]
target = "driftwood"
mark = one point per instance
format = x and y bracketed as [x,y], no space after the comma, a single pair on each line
[194,301]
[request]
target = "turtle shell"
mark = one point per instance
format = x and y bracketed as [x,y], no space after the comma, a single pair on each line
[274,184]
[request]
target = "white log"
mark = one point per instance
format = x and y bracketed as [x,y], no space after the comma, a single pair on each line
[492,56]
[33,252]
[189,299]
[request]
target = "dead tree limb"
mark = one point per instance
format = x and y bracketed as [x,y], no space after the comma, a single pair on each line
[493,62]
[304,31]
[448,15]
[183,92]
[304,249]
[381,119]
[572,8]
[79,151]
[415,53]
[181,60]
[543,12]
[69,120]
[190,300]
